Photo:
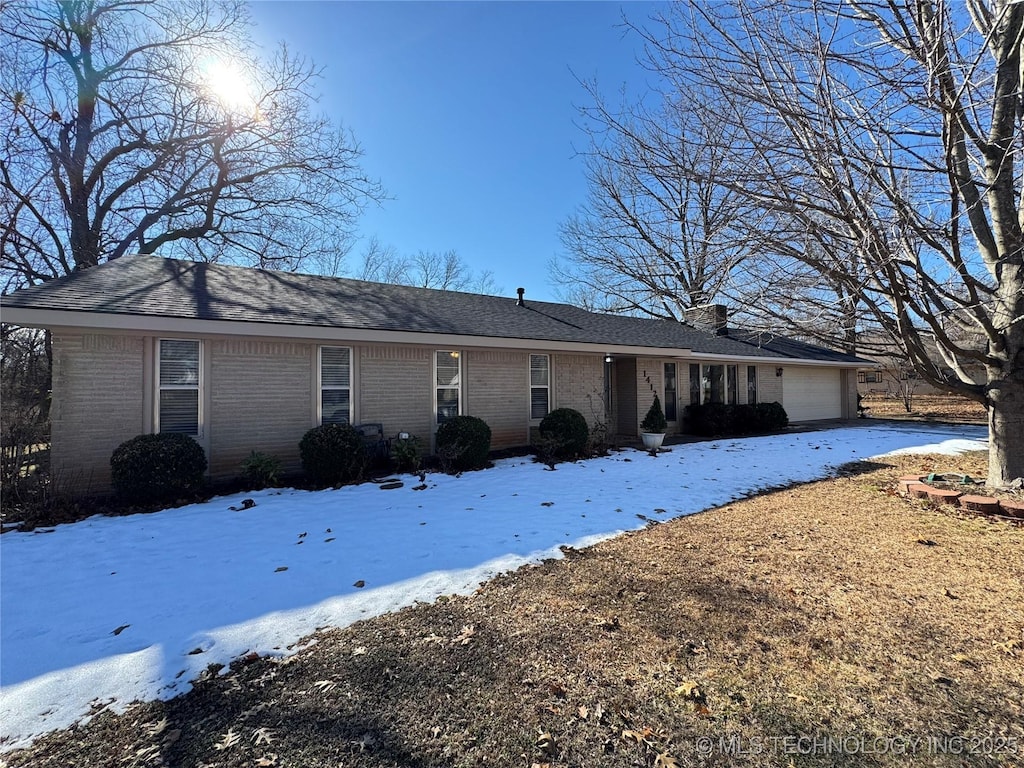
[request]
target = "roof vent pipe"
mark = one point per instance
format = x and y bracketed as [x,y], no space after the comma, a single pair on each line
[519,301]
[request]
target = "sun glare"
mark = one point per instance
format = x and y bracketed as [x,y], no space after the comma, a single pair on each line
[228,84]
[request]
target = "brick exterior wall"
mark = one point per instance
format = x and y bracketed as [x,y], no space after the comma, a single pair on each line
[259,400]
[578,383]
[395,388]
[497,390]
[97,405]
[769,386]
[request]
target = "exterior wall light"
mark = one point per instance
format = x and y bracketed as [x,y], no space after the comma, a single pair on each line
[778,371]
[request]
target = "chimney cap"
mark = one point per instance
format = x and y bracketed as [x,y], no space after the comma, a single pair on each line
[519,301]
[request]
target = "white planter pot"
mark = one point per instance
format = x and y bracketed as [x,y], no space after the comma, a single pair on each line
[652,440]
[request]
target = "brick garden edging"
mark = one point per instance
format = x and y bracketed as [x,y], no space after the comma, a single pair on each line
[917,487]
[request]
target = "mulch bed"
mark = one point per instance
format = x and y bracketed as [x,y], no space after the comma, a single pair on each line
[834,609]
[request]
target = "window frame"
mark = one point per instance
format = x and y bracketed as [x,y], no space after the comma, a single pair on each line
[751,379]
[546,387]
[198,387]
[458,355]
[320,387]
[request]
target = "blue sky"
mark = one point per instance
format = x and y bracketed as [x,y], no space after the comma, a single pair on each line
[467,113]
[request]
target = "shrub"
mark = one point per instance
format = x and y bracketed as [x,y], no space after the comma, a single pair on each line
[150,468]
[333,454]
[564,433]
[463,442]
[260,470]
[771,417]
[406,453]
[718,419]
[654,421]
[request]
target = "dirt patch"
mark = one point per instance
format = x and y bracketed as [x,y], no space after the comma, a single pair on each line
[833,623]
[927,408]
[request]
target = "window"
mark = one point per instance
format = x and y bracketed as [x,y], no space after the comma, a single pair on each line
[540,386]
[180,380]
[731,384]
[335,385]
[712,383]
[751,384]
[694,384]
[670,392]
[448,386]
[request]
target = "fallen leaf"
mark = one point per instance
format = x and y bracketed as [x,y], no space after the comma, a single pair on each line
[1009,646]
[665,760]
[359,584]
[325,685]
[262,736]
[267,760]
[690,690]
[359,650]
[120,629]
[583,712]
[466,635]
[229,740]
[547,503]
[281,568]
[546,742]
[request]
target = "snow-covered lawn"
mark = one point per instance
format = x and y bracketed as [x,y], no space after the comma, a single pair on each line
[126,608]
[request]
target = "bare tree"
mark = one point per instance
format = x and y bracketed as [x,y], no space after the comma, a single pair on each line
[886,147]
[660,229]
[425,269]
[149,125]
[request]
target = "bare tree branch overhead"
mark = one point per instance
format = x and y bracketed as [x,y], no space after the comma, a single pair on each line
[121,135]
[876,164]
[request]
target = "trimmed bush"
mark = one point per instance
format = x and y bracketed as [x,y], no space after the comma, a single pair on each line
[718,419]
[260,470]
[333,454]
[654,421]
[564,433]
[463,442]
[771,417]
[152,468]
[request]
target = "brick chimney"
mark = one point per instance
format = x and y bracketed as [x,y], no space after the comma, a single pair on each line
[709,317]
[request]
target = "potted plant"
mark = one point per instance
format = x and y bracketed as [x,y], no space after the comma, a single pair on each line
[652,428]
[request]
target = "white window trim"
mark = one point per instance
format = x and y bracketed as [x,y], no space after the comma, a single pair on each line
[199,386]
[531,386]
[460,356]
[320,382]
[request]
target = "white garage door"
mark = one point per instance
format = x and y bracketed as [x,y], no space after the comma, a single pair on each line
[809,394]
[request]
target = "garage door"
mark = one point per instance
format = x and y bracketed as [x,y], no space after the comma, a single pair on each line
[810,394]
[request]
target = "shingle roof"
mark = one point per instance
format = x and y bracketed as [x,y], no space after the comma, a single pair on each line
[154,286]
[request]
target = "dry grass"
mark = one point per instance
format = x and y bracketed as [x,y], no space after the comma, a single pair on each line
[829,609]
[927,408]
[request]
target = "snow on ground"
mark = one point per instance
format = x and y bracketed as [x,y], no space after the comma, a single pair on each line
[116,609]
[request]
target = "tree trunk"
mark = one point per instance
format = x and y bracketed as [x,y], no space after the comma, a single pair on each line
[1005,427]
